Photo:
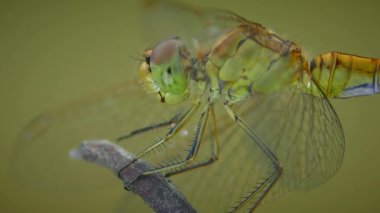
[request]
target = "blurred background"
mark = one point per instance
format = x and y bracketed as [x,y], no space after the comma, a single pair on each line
[54,51]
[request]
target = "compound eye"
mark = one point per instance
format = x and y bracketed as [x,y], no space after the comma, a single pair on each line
[147,59]
[167,71]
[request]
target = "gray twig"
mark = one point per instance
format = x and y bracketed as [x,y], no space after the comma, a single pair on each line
[154,189]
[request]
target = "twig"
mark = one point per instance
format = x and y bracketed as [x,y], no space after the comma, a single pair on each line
[154,189]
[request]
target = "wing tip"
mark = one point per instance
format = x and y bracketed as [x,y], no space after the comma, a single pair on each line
[37,126]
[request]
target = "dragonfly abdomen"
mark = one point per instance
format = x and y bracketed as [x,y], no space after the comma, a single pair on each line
[341,75]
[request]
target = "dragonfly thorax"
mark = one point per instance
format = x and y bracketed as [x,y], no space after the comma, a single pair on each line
[241,66]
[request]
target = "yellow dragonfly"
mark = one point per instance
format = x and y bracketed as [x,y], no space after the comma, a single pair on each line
[244,116]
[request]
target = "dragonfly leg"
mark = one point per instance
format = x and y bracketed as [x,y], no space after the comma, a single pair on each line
[183,118]
[180,122]
[183,164]
[259,192]
[214,155]
[172,121]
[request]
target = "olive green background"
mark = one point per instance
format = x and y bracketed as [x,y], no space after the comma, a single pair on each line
[55,51]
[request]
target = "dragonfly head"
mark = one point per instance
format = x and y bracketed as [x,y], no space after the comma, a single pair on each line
[165,70]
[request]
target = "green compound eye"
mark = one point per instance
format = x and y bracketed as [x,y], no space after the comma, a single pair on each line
[169,72]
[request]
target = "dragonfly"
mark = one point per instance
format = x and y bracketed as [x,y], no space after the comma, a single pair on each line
[243,116]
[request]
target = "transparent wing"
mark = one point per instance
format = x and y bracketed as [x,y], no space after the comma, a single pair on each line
[303,131]
[41,155]
[197,27]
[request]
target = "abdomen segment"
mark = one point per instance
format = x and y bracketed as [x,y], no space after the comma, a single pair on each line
[341,75]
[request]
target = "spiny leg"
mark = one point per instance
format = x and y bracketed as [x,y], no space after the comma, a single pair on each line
[194,147]
[172,121]
[258,192]
[181,121]
[214,155]
[263,188]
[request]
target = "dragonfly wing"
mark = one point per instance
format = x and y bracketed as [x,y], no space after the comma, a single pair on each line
[41,154]
[302,130]
[198,28]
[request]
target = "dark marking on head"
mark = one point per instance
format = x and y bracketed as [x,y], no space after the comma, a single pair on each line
[147,59]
